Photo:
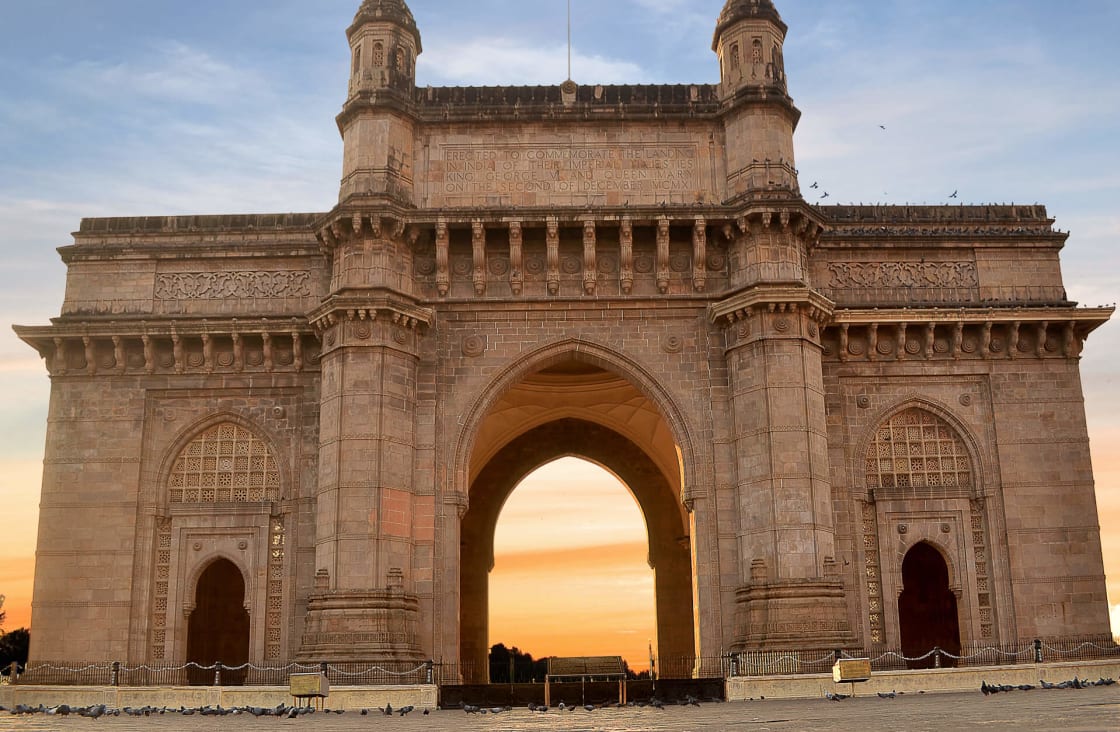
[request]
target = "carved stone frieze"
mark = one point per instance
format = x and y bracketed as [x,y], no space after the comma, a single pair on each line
[876,275]
[238,285]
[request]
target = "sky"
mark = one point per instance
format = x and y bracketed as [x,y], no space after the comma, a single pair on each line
[160,107]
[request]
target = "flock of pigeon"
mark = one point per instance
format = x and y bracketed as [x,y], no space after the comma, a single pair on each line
[1074,683]
[654,702]
[284,711]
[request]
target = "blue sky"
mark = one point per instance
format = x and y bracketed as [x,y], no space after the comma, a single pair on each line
[138,107]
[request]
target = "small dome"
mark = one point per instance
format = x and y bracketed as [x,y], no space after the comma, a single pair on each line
[736,10]
[391,11]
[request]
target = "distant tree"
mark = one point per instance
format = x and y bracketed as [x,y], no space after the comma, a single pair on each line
[525,669]
[14,647]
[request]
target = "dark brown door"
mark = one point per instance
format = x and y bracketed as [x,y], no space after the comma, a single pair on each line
[927,608]
[219,626]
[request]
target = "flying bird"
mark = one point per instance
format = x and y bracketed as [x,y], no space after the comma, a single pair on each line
[815,185]
[882,127]
[824,195]
[954,195]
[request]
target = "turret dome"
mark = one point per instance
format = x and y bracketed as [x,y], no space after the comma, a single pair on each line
[736,10]
[391,11]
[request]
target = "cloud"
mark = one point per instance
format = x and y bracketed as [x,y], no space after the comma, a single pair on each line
[506,62]
[172,71]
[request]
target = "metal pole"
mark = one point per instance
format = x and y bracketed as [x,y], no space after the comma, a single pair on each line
[569,39]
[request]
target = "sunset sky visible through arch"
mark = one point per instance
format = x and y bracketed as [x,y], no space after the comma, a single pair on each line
[571,574]
[154,107]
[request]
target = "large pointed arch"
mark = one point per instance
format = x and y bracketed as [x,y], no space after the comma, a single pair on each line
[666,524]
[580,350]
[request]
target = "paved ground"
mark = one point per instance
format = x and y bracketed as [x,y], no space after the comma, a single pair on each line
[1065,710]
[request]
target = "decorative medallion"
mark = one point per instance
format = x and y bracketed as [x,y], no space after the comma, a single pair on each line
[363,330]
[744,330]
[499,266]
[1026,344]
[716,263]
[400,336]
[330,337]
[534,265]
[242,545]
[946,528]
[108,361]
[461,267]
[969,345]
[863,401]
[672,344]
[680,262]
[884,348]
[966,400]
[474,346]
[278,413]
[1053,345]
[856,347]
[135,360]
[996,346]
[254,358]
[913,347]
[570,265]
[425,266]
[194,360]
[608,264]
[903,528]
[197,546]
[285,358]
[225,359]
[643,263]
[941,346]
[166,359]
[781,325]
[813,330]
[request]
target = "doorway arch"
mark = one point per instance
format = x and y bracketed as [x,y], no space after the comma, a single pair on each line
[927,607]
[666,524]
[218,628]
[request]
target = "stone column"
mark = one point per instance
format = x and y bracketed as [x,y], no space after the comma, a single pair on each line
[369,519]
[791,594]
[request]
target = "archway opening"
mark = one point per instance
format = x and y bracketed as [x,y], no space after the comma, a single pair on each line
[927,608]
[218,629]
[571,572]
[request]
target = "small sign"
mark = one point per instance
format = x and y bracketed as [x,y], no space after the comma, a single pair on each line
[851,670]
[307,686]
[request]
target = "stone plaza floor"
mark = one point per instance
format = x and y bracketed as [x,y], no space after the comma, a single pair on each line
[1070,710]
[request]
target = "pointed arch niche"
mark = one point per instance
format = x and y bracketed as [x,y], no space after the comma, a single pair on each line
[922,475]
[221,491]
[571,570]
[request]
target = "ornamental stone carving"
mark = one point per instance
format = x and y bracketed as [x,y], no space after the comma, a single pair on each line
[849,275]
[239,285]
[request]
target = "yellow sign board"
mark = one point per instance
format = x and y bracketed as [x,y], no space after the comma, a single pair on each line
[305,686]
[851,670]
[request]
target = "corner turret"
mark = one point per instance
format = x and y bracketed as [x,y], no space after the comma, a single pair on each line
[384,44]
[748,40]
[377,122]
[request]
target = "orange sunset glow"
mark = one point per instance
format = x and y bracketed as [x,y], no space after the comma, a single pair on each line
[571,575]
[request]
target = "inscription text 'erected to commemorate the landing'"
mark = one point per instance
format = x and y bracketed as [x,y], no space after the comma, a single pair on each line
[635,170]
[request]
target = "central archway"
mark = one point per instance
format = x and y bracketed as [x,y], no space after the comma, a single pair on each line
[667,527]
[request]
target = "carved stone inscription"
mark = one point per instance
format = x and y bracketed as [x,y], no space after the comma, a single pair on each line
[245,285]
[636,170]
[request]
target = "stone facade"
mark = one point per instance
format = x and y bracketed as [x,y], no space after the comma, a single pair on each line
[339,403]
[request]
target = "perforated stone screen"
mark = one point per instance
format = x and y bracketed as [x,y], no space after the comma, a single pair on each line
[916,449]
[226,463]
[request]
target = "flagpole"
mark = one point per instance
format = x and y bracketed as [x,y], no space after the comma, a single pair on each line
[569,39]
